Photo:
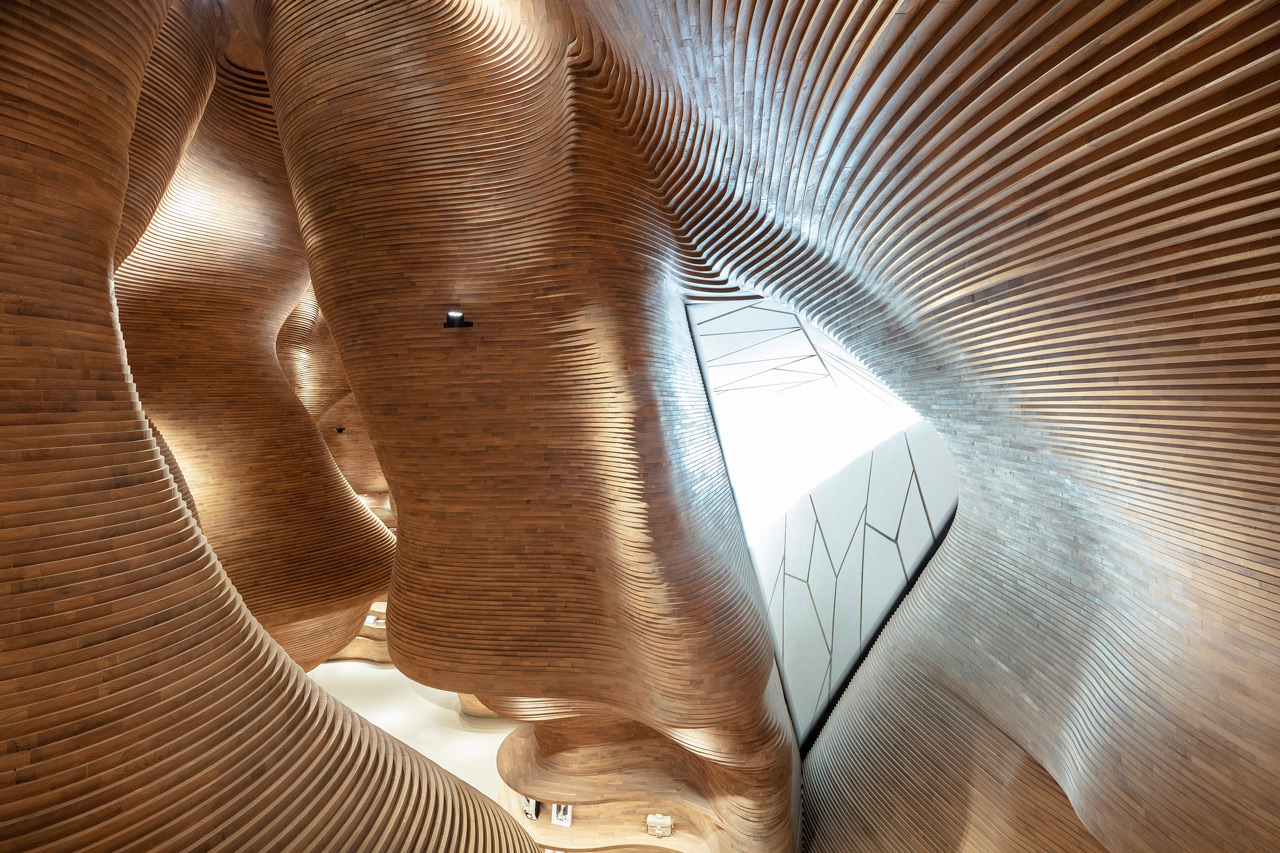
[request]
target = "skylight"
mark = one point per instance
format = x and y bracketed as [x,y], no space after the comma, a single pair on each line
[792,407]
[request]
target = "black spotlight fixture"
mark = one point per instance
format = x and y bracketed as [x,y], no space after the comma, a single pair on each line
[341,429]
[454,320]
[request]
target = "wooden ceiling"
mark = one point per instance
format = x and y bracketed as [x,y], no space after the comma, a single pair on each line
[1050,227]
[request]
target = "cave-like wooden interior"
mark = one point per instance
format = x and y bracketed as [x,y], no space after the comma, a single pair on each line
[228,227]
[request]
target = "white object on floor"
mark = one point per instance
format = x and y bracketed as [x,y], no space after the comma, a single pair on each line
[426,719]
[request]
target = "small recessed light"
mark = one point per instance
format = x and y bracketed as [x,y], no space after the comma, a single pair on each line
[454,320]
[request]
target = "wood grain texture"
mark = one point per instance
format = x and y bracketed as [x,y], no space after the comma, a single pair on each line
[354,454]
[473,707]
[309,358]
[1050,227]
[566,527]
[202,299]
[174,471]
[143,708]
[178,82]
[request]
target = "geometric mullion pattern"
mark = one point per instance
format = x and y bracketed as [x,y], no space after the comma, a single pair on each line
[840,559]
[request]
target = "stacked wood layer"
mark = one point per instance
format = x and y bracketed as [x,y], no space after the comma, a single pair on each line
[568,545]
[202,298]
[1050,227]
[143,707]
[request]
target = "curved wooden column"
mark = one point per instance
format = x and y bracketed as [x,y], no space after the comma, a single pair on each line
[177,85]
[309,358]
[201,301]
[174,471]
[144,708]
[1050,228]
[566,528]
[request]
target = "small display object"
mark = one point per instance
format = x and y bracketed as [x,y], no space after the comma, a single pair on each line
[659,825]
[530,807]
[561,815]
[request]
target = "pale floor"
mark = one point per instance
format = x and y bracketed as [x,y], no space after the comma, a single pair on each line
[429,720]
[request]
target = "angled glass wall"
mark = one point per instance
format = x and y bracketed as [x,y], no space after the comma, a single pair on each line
[842,489]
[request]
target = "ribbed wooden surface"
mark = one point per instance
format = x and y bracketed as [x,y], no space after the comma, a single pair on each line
[309,358]
[613,771]
[201,301]
[354,454]
[176,86]
[174,471]
[566,528]
[1051,227]
[370,644]
[143,708]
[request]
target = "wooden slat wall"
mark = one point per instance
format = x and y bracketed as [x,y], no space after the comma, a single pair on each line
[309,358]
[142,708]
[177,85]
[1051,227]
[569,549]
[202,299]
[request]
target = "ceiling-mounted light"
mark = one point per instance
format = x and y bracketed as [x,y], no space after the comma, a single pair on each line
[454,320]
